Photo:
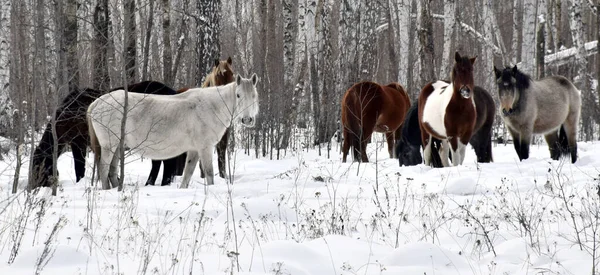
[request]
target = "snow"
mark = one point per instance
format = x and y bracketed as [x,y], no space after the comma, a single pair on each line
[306,214]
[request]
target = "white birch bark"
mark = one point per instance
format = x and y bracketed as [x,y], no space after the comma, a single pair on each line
[6,105]
[488,54]
[529,34]
[449,26]
[403,33]
[516,31]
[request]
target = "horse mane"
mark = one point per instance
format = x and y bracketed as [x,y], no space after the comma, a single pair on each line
[211,78]
[523,80]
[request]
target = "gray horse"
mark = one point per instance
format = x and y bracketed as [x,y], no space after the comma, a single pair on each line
[550,106]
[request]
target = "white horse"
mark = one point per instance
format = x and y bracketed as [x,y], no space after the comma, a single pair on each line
[162,127]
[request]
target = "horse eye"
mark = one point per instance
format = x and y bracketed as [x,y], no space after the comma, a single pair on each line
[238,95]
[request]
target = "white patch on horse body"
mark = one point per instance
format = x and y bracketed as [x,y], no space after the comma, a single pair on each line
[434,111]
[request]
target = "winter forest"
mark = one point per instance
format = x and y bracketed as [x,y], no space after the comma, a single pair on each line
[290,206]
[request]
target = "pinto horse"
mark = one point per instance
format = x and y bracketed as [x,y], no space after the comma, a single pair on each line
[550,106]
[369,107]
[447,113]
[72,129]
[162,127]
[408,147]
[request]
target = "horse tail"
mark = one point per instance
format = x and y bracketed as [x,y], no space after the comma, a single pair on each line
[94,144]
[563,142]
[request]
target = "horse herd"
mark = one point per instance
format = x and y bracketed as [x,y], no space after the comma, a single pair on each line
[450,114]
[181,128]
[177,128]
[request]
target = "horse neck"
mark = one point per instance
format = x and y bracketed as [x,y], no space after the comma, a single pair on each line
[224,95]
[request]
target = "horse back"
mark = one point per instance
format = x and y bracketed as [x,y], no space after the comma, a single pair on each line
[361,101]
[149,87]
[485,108]
[411,131]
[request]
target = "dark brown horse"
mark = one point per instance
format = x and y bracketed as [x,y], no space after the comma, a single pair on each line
[369,107]
[72,129]
[447,113]
[221,74]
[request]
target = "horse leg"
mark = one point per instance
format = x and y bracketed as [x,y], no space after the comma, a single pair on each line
[154,172]
[524,142]
[443,152]
[345,146]
[206,162]
[516,136]
[114,166]
[427,152]
[571,131]
[390,143]
[221,151]
[363,149]
[553,145]
[79,151]
[106,156]
[190,165]
[168,171]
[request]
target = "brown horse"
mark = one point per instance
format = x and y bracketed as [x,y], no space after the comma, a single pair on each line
[220,75]
[369,107]
[447,113]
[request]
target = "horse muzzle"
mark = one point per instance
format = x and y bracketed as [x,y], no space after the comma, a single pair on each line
[508,112]
[248,121]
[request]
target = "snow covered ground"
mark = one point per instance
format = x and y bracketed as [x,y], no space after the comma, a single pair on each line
[306,214]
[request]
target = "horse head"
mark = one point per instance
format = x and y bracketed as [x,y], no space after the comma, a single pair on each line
[510,83]
[462,75]
[246,99]
[408,154]
[222,72]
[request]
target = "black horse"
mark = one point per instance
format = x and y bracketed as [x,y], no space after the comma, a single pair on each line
[72,130]
[408,147]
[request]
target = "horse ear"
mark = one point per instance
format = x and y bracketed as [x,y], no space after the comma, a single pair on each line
[217,62]
[497,72]
[456,57]
[254,79]
[229,60]
[514,69]
[238,79]
[473,60]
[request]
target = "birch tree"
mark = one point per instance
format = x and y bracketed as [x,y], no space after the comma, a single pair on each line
[167,52]
[6,105]
[449,26]
[290,31]
[207,27]
[100,78]
[130,41]
[528,46]
[425,31]
[578,35]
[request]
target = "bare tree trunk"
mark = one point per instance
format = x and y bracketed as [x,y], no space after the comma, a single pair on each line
[70,37]
[17,68]
[517,4]
[528,46]
[588,102]
[208,26]
[449,26]
[130,41]
[147,38]
[100,78]
[290,21]
[541,49]
[167,52]
[426,41]
[182,37]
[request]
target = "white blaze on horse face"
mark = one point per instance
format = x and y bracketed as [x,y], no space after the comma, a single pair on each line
[434,111]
